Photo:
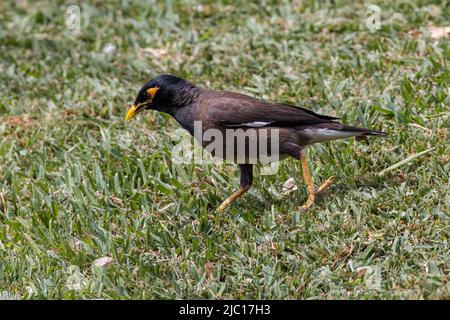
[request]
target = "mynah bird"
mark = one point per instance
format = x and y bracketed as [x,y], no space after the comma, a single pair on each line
[295,127]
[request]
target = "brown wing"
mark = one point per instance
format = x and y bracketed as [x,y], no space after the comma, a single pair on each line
[236,110]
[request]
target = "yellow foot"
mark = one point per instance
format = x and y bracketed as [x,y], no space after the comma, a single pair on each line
[223,206]
[232,198]
[314,192]
[325,185]
[309,202]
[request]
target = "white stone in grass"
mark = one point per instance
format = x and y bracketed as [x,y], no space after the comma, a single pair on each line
[109,48]
[103,262]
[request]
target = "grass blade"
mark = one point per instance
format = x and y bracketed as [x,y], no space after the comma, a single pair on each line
[405,161]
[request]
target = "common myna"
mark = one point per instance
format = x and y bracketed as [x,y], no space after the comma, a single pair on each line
[295,127]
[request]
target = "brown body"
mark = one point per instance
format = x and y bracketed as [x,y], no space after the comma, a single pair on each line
[222,111]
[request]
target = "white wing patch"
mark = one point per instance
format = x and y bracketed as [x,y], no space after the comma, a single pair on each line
[256,124]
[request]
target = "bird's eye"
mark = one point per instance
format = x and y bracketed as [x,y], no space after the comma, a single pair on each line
[152,92]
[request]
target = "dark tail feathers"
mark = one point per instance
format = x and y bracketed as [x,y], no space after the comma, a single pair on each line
[364,132]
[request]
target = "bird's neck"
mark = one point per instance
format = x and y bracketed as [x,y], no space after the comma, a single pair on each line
[185,118]
[185,95]
[181,99]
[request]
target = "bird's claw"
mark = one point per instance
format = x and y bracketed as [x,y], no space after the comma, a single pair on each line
[325,185]
[313,193]
[224,205]
[309,202]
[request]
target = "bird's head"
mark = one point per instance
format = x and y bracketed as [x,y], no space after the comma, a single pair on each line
[163,93]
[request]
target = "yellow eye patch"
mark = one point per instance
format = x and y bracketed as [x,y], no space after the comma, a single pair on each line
[152,91]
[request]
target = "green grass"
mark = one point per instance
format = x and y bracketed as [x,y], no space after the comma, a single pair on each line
[78,183]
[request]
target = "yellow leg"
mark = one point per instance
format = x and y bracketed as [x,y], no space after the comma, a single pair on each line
[232,198]
[312,191]
[309,183]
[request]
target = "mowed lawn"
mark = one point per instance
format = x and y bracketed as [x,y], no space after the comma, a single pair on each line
[78,184]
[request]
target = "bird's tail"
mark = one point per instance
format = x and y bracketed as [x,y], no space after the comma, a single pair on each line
[363,132]
[332,131]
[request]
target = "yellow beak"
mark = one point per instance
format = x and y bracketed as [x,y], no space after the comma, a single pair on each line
[134,110]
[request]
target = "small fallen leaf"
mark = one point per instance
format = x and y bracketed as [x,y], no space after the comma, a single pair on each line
[103,262]
[363,270]
[204,9]
[21,121]
[116,201]
[155,52]
[447,158]
[288,186]
[76,244]
[414,33]
[209,268]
